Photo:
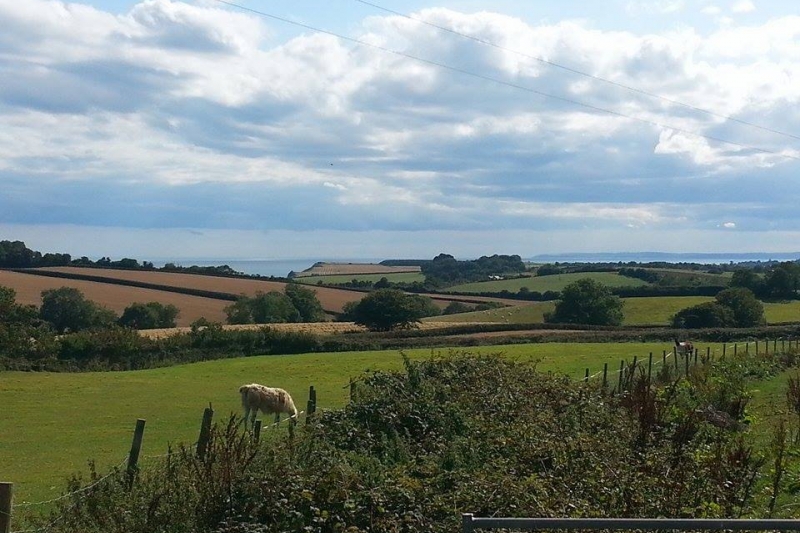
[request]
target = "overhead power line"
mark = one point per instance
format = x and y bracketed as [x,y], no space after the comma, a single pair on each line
[506,83]
[578,72]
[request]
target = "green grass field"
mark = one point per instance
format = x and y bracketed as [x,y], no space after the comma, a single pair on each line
[547,283]
[52,424]
[401,277]
[656,310]
[637,311]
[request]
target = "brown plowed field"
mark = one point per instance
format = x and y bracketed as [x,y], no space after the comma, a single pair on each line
[332,300]
[343,269]
[115,297]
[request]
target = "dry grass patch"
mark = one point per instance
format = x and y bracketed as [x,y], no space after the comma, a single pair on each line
[346,269]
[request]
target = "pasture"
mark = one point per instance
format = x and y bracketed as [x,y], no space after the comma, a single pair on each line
[54,423]
[547,283]
[655,310]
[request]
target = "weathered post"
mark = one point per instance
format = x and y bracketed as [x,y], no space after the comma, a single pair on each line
[257,432]
[136,447]
[747,347]
[311,406]
[605,375]
[708,354]
[664,357]
[649,367]
[696,350]
[205,432]
[352,389]
[621,374]
[724,349]
[686,363]
[735,348]
[775,345]
[6,492]
[586,376]
[756,346]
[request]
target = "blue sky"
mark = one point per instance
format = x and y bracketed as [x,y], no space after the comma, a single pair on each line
[199,130]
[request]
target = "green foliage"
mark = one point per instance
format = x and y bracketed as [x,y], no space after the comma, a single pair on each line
[747,310]
[67,309]
[263,308]
[413,449]
[587,302]
[704,315]
[388,309]
[747,278]
[783,281]
[736,307]
[149,315]
[446,270]
[306,302]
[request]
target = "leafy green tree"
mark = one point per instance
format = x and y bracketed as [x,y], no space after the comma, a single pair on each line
[263,308]
[747,278]
[747,310]
[454,307]
[424,305]
[67,309]
[705,315]
[306,302]
[149,316]
[382,283]
[587,301]
[783,281]
[386,309]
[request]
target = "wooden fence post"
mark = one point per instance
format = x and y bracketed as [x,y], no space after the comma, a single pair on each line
[664,357]
[205,432]
[311,406]
[621,371]
[708,354]
[649,367]
[686,363]
[136,447]
[6,491]
[605,375]
[352,389]
[735,348]
[724,348]
[257,432]
[586,376]
[775,345]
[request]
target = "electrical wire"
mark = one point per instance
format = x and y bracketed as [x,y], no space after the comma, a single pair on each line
[510,84]
[579,72]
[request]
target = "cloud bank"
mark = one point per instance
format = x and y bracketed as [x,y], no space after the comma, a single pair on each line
[176,115]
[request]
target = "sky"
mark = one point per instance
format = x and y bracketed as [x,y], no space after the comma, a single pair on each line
[202,129]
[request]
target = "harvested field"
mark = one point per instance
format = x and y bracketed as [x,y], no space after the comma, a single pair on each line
[332,300]
[346,269]
[115,297]
[316,328]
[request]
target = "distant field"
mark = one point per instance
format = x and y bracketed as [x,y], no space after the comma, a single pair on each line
[402,277]
[692,277]
[349,269]
[548,283]
[782,312]
[637,311]
[332,300]
[115,297]
[47,437]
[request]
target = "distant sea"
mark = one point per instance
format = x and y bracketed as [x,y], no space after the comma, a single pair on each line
[282,267]
[666,257]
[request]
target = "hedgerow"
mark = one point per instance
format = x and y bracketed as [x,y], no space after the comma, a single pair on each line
[462,433]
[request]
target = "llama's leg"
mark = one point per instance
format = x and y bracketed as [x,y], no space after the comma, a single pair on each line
[253,419]
[246,416]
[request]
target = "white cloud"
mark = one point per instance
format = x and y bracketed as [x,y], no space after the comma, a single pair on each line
[743,6]
[729,225]
[711,10]
[180,95]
